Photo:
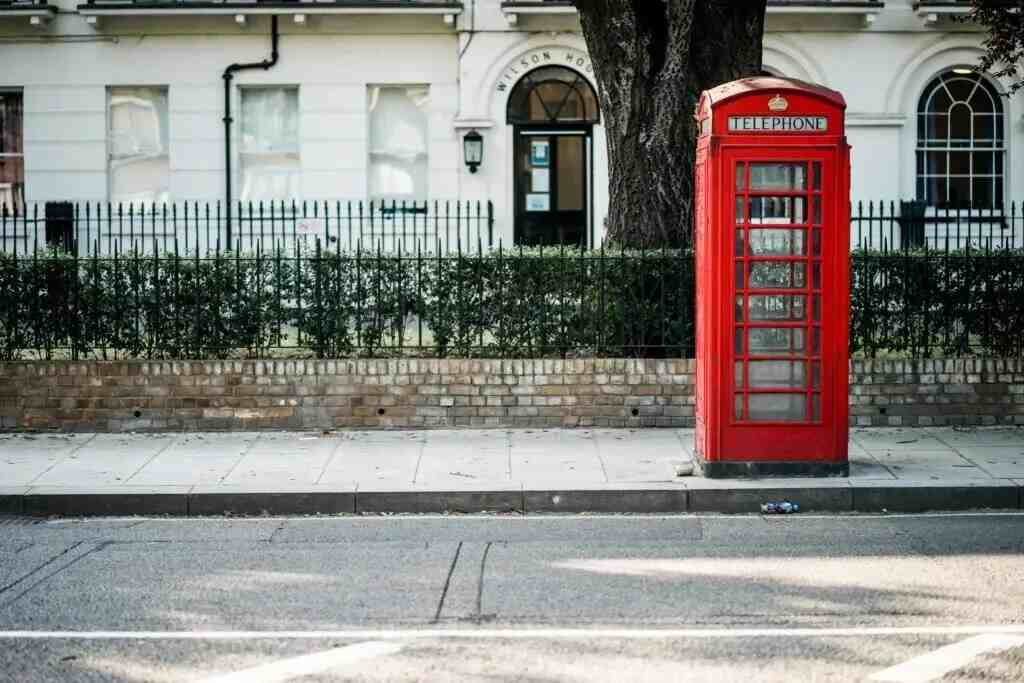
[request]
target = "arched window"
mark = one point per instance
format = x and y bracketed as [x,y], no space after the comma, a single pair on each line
[960,142]
[553,94]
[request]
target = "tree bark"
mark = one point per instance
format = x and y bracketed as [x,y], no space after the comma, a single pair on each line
[652,59]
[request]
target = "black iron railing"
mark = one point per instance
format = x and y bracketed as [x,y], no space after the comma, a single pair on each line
[911,225]
[103,228]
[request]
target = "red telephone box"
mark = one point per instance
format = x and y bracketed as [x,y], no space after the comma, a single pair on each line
[773,293]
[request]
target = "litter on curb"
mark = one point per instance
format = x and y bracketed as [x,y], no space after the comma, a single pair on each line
[784,507]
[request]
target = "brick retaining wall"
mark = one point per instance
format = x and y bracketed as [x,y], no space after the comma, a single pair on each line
[297,394]
[922,393]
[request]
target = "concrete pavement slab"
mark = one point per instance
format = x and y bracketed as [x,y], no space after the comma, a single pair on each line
[639,456]
[294,474]
[584,468]
[26,457]
[979,436]
[212,443]
[940,457]
[300,452]
[370,455]
[854,448]
[917,471]
[1003,470]
[196,459]
[543,439]
[52,445]
[107,457]
[686,439]
[640,470]
[165,471]
[554,453]
[22,475]
[880,440]
[465,455]
[992,453]
[350,467]
[866,466]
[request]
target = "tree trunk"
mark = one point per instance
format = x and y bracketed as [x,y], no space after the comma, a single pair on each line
[652,59]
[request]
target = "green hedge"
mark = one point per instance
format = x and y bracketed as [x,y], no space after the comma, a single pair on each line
[524,304]
[334,305]
[938,304]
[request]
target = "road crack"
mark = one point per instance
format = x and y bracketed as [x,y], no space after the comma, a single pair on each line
[480,582]
[447,584]
[4,589]
[95,549]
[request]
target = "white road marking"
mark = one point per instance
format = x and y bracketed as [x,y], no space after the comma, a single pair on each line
[307,665]
[524,633]
[938,663]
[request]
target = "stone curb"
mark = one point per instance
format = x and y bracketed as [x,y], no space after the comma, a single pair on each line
[745,497]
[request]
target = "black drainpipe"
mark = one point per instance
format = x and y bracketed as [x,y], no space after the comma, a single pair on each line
[229,74]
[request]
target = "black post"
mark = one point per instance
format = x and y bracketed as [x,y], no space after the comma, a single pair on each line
[229,75]
[59,222]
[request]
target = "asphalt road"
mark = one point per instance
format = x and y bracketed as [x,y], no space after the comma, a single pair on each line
[831,598]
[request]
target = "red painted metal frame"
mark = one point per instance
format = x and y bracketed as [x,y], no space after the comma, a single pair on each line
[722,436]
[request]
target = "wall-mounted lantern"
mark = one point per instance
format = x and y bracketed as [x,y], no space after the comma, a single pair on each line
[473,150]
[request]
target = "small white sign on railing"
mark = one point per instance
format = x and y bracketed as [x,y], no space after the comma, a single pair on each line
[315,227]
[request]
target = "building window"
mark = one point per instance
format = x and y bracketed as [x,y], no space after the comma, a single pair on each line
[960,142]
[12,152]
[270,144]
[553,94]
[138,163]
[398,152]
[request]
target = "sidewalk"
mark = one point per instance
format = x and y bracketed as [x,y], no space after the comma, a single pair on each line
[583,470]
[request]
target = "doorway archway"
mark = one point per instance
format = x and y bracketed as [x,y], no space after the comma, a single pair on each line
[553,110]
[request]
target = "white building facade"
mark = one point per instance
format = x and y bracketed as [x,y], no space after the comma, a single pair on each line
[124,102]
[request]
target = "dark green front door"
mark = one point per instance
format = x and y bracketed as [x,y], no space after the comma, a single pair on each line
[552,186]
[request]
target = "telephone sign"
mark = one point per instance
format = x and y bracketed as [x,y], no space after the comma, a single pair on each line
[771,124]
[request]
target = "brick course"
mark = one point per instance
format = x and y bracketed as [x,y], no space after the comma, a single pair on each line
[311,394]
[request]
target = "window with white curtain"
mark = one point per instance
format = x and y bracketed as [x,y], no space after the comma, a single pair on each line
[12,152]
[138,162]
[270,144]
[398,147]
